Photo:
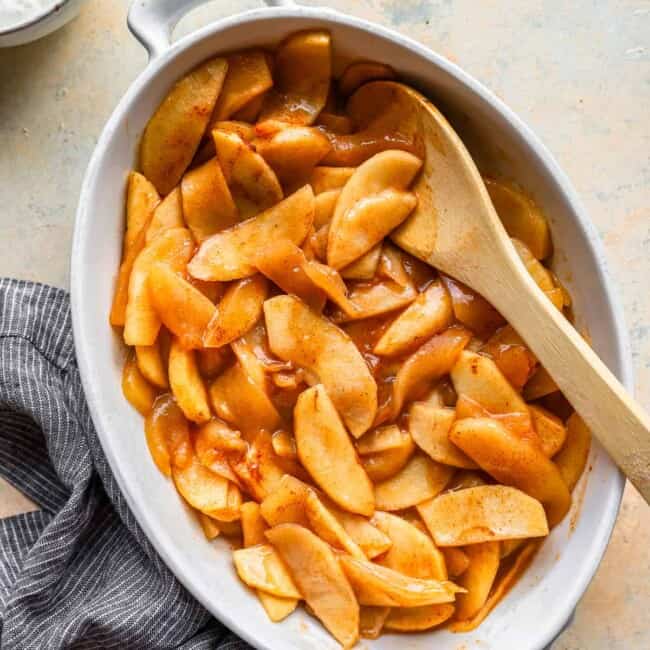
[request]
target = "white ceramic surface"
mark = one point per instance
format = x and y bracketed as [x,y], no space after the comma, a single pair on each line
[58,14]
[539,605]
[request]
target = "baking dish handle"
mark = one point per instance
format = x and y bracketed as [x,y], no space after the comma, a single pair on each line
[152,21]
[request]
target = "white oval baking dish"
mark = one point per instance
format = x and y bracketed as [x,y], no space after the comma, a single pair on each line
[536,610]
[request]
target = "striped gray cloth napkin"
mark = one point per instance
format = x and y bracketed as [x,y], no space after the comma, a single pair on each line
[79,572]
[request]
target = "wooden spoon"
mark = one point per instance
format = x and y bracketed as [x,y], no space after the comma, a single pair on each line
[456,229]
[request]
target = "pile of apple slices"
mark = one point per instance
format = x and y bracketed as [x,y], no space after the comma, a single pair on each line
[373,437]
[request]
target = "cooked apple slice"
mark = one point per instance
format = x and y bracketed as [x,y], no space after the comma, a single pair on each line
[151,364]
[186,383]
[283,263]
[284,444]
[319,579]
[293,152]
[141,201]
[429,427]
[511,355]
[382,465]
[328,528]
[242,402]
[381,439]
[299,335]
[365,267]
[418,619]
[360,72]
[201,488]
[419,480]
[550,430]
[368,537]
[514,461]
[330,178]
[334,123]
[365,224]
[168,435]
[229,255]
[117,316]
[173,134]
[330,282]
[246,171]
[483,514]
[239,309]
[325,204]
[371,621]
[374,299]
[137,390]
[168,214]
[366,210]
[456,560]
[391,264]
[477,377]
[472,310]
[430,313]
[260,567]
[208,206]
[216,444]
[379,586]
[477,579]
[542,276]
[212,361]
[539,385]
[244,130]
[427,364]
[248,77]
[412,552]
[183,309]
[325,450]
[302,73]
[521,217]
[572,458]
[209,526]
[286,504]
[142,323]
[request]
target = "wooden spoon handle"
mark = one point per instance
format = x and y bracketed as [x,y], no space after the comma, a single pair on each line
[620,424]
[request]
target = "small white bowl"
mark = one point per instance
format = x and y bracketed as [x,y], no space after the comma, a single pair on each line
[53,16]
[540,604]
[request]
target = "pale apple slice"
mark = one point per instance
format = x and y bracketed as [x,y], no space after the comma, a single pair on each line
[248,77]
[427,364]
[412,552]
[382,465]
[482,514]
[229,255]
[137,390]
[429,314]
[239,309]
[168,214]
[429,427]
[330,282]
[419,480]
[365,224]
[186,383]
[360,72]
[477,579]
[293,152]
[239,400]
[328,528]
[252,524]
[246,171]
[367,210]
[151,364]
[174,132]
[418,619]
[286,504]
[168,435]
[320,580]
[309,340]
[371,621]
[391,264]
[201,488]
[284,264]
[325,204]
[513,460]
[550,429]
[260,567]
[380,586]
[141,201]
[381,439]
[302,73]
[183,309]
[374,299]
[330,178]
[365,267]
[572,458]
[208,206]
[142,323]
[326,451]
[368,537]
